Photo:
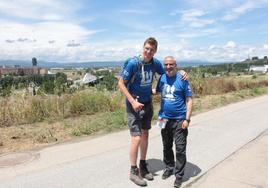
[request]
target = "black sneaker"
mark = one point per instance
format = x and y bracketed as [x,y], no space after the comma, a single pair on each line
[145,172]
[135,177]
[178,182]
[167,173]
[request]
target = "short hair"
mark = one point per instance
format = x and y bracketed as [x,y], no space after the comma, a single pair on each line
[170,57]
[152,41]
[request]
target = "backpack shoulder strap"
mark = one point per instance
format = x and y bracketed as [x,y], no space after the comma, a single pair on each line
[154,68]
[138,67]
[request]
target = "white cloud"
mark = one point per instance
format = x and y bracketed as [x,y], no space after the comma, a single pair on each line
[229,16]
[252,49]
[46,39]
[243,9]
[193,18]
[182,50]
[54,17]
[213,47]
[230,45]
[192,14]
[265,46]
[211,4]
[37,9]
[199,33]
[201,22]
[44,31]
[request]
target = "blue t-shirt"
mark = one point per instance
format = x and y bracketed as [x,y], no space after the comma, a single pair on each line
[173,96]
[142,83]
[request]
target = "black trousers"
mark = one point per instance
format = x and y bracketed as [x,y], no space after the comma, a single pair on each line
[174,133]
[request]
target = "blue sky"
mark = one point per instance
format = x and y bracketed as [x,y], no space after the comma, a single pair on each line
[95,30]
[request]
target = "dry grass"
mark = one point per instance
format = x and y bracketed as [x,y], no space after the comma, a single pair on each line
[17,110]
[221,85]
[32,122]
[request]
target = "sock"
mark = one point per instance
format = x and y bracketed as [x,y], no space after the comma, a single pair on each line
[134,167]
[142,162]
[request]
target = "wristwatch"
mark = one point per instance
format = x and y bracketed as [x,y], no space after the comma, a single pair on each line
[188,120]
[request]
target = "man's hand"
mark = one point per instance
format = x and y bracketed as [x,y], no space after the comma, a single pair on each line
[184,124]
[184,75]
[153,91]
[136,105]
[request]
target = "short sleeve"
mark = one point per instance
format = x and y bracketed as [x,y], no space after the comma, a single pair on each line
[187,89]
[128,71]
[159,85]
[159,67]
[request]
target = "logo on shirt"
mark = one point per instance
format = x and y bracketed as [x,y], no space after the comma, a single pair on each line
[189,88]
[125,73]
[146,78]
[168,92]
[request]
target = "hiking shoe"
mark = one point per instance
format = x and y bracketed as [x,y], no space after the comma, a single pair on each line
[178,182]
[135,177]
[145,172]
[167,173]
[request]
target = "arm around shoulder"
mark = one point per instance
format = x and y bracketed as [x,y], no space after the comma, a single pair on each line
[184,75]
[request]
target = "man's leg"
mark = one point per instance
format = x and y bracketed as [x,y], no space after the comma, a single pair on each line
[168,155]
[146,125]
[134,146]
[144,144]
[135,132]
[143,152]
[133,154]
[180,137]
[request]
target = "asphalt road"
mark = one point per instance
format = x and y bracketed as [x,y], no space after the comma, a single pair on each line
[246,168]
[103,161]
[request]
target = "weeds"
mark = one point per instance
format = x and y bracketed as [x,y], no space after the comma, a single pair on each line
[19,109]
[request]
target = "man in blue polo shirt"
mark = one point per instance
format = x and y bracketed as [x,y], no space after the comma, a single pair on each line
[174,117]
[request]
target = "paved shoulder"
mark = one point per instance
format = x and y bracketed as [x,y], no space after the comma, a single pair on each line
[248,167]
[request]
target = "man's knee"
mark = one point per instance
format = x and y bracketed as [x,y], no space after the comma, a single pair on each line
[144,132]
[136,139]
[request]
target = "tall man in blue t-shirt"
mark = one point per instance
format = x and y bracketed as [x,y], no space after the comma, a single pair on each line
[136,84]
[174,117]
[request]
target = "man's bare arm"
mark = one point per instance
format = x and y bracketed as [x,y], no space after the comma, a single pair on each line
[135,104]
[189,105]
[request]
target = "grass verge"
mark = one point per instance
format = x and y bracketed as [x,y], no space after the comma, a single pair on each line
[40,134]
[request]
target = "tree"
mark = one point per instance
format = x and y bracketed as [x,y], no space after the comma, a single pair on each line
[109,82]
[48,87]
[60,83]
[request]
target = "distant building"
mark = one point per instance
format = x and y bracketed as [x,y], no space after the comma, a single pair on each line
[20,71]
[261,68]
[89,78]
[34,61]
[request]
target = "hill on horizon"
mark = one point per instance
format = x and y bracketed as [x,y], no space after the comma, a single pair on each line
[47,64]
